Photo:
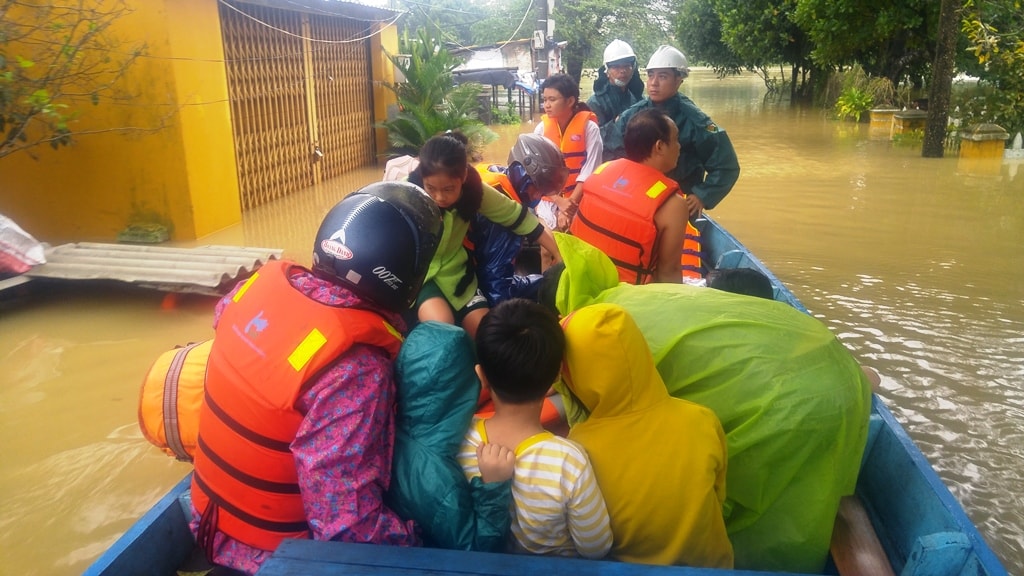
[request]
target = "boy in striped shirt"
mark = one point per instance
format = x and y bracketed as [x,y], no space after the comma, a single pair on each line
[558,507]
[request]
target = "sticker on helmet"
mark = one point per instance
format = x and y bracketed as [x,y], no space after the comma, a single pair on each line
[387,276]
[336,249]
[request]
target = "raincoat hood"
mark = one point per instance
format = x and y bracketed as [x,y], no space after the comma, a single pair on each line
[618,379]
[588,272]
[603,84]
[437,395]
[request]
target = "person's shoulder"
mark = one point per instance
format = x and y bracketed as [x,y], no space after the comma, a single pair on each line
[559,449]
[692,113]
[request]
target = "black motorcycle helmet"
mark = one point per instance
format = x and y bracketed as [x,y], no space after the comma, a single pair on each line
[378,242]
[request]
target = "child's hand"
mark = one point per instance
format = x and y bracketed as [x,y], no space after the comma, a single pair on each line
[496,462]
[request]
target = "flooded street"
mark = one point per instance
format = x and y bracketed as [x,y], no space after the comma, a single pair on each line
[916,264]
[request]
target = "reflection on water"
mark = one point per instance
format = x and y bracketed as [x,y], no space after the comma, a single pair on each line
[914,263]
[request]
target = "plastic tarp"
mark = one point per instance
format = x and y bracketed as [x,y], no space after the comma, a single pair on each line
[19,251]
[505,78]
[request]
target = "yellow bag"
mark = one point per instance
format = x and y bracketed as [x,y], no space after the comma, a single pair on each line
[170,399]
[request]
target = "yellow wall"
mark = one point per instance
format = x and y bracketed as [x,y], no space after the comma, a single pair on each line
[162,150]
[383,73]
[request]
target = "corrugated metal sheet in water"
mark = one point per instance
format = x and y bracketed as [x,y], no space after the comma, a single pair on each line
[204,269]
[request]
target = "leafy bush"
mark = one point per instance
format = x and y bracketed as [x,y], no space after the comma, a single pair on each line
[509,116]
[429,101]
[852,103]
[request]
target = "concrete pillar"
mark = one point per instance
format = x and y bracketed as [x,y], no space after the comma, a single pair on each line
[981,149]
[881,122]
[907,121]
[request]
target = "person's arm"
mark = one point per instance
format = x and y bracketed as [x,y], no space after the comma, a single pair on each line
[352,406]
[722,167]
[547,241]
[599,110]
[506,212]
[474,514]
[670,221]
[595,153]
[588,522]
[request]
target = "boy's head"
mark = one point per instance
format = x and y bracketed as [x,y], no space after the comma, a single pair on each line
[519,347]
[741,281]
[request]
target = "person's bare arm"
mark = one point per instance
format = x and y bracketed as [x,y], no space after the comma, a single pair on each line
[670,221]
[547,241]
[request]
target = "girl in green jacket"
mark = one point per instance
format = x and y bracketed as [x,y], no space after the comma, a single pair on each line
[450,293]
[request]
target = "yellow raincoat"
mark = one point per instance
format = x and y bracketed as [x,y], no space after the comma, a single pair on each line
[660,461]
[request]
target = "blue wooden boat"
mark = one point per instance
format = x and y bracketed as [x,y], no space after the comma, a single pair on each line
[916,525]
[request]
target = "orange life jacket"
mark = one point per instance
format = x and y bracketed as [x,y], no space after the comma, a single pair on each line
[573,143]
[616,216]
[497,180]
[270,340]
[170,399]
[500,182]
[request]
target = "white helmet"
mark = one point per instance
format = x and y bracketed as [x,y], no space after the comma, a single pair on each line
[668,57]
[618,50]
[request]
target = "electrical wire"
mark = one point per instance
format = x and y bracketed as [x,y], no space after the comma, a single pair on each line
[389,22]
[511,38]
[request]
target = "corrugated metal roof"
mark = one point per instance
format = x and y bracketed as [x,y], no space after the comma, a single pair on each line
[204,269]
[368,10]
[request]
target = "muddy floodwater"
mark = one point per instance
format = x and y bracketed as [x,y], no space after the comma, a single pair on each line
[915,264]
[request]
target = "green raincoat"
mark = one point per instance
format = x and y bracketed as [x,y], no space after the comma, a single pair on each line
[793,401]
[437,395]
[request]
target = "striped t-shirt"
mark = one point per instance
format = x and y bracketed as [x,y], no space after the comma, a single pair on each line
[557,506]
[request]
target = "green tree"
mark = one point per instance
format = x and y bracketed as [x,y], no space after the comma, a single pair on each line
[452,21]
[505,21]
[762,33]
[588,25]
[53,60]
[700,34]
[888,39]
[995,35]
[428,100]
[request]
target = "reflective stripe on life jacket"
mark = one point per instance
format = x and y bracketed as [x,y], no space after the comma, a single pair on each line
[572,143]
[270,340]
[616,215]
[692,261]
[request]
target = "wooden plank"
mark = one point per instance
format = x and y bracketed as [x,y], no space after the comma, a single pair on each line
[855,548]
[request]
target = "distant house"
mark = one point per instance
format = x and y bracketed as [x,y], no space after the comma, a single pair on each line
[510,65]
[515,54]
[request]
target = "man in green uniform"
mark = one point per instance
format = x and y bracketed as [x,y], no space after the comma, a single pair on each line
[618,85]
[708,167]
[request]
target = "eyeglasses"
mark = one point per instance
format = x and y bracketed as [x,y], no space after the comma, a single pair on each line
[622,66]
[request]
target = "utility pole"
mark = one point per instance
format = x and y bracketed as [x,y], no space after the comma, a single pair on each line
[541,57]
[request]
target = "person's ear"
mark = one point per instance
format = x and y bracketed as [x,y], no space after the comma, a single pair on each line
[484,385]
